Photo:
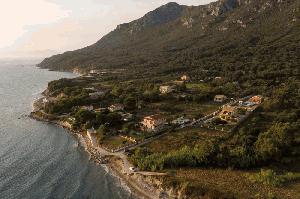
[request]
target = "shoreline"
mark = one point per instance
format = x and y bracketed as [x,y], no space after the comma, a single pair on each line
[107,162]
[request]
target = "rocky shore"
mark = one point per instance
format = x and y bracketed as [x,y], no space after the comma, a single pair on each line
[137,184]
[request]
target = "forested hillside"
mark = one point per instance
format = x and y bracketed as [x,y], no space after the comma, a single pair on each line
[239,39]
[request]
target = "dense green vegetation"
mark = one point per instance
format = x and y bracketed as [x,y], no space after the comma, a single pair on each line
[270,135]
[260,141]
[270,177]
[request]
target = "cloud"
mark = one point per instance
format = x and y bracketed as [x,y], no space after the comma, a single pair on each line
[60,25]
[17,16]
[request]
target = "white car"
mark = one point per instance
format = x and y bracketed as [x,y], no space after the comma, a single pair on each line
[132,169]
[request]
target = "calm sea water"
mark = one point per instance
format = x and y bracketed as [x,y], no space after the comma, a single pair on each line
[39,160]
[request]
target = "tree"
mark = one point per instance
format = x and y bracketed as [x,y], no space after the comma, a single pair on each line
[84,115]
[241,111]
[272,143]
[100,118]
[113,119]
[87,125]
[130,102]
[101,133]
[151,95]
[117,91]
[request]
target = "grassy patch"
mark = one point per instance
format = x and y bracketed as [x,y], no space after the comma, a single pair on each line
[194,109]
[270,177]
[179,138]
[232,182]
[198,86]
[114,142]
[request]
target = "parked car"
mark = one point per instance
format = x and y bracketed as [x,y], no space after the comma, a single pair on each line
[133,169]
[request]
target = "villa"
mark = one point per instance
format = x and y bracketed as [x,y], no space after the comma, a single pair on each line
[229,113]
[153,123]
[166,89]
[257,99]
[220,98]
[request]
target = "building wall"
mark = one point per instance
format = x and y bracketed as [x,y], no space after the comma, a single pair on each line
[153,124]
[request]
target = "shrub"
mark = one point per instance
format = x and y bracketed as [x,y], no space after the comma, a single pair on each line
[272,143]
[270,177]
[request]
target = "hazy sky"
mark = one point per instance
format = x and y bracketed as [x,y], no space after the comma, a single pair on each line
[44,27]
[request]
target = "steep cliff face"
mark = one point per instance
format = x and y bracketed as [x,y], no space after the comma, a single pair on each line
[196,36]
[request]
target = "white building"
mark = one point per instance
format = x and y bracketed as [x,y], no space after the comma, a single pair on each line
[181,121]
[166,89]
[116,107]
[220,98]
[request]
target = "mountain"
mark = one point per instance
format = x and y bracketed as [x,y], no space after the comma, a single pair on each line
[163,14]
[228,37]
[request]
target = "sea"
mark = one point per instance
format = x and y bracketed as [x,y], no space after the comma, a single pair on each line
[40,160]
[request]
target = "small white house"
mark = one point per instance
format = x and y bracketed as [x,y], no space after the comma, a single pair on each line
[166,89]
[220,98]
[181,121]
